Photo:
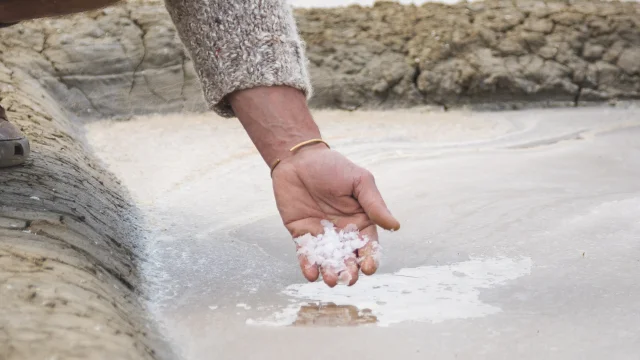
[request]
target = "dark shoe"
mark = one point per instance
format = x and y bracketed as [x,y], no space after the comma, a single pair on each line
[14,146]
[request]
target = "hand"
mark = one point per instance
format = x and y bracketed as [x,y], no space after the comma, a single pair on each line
[317,183]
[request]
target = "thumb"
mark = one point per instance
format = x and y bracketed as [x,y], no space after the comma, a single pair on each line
[367,194]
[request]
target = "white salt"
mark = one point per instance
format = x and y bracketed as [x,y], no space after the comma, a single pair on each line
[334,248]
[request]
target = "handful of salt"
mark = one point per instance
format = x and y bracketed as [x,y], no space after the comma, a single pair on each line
[333,248]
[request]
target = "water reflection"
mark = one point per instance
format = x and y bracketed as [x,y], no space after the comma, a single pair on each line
[330,314]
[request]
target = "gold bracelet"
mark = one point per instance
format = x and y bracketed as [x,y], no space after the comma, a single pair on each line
[309,142]
[273,166]
[297,147]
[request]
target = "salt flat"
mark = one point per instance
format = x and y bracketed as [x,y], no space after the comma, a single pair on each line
[520,237]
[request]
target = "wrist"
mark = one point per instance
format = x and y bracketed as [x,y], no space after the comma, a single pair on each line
[303,149]
[293,144]
[276,118]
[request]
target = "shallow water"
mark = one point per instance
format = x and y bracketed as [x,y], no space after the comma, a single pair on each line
[520,237]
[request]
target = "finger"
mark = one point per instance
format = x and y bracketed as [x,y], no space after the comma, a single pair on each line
[369,254]
[349,276]
[309,269]
[371,201]
[329,276]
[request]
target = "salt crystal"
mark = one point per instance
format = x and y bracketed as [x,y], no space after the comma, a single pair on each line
[331,249]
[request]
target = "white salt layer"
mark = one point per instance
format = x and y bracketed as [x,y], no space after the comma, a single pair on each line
[333,249]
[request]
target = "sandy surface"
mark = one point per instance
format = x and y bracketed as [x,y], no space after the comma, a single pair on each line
[520,237]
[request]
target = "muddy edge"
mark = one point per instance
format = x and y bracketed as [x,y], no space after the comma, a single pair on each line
[69,280]
[496,54]
[70,286]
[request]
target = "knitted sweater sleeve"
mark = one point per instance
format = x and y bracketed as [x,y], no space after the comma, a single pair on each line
[240,44]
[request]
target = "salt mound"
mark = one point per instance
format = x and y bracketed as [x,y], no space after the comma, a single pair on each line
[333,248]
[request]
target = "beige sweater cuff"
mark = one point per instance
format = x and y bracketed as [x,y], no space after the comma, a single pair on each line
[240,44]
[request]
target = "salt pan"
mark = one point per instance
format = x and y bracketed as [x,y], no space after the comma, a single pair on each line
[334,248]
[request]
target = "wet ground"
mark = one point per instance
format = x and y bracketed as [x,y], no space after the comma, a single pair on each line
[520,238]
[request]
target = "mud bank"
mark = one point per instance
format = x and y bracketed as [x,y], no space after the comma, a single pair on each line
[502,54]
[69,280]
[127,60]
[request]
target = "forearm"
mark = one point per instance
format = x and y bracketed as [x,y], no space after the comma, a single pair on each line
[276,119]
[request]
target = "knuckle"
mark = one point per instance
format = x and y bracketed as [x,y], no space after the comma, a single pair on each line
[366,177]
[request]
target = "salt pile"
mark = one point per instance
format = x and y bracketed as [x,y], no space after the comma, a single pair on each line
[334,248]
